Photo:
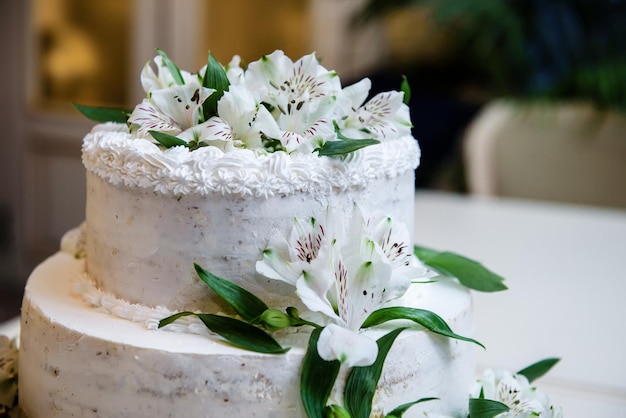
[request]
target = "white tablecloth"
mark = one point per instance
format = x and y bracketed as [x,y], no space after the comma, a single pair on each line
[566,271]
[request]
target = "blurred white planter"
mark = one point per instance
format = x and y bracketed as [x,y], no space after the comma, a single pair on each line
[567,152]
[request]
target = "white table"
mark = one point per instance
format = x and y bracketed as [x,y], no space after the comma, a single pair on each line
[566,271]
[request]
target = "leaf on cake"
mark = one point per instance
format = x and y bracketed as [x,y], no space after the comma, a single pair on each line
[317,379]
[167,140]
[536,370]
[103,114]
[362,381]
[406,89]
[400,410]
[248,306]
[236,332]
[429,320]
[214,78]
[470,273]
[486,408]
[343,147]
[173,68]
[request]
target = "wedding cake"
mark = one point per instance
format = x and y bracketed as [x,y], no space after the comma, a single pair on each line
[247,251]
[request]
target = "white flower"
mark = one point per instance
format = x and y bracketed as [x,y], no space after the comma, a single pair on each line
[305,253]
[350,348]
[383,117]
[273,104]
[515,391]
[169,107]
[301,94]
[345,275]
[8,373]
[241,122]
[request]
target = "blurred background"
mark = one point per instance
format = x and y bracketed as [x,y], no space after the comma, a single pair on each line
[517,98]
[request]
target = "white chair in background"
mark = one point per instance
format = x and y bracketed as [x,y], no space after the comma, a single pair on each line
[560,152]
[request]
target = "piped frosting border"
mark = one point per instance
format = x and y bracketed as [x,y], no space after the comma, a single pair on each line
[113,154]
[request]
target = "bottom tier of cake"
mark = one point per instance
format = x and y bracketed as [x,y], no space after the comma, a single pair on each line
[76,360]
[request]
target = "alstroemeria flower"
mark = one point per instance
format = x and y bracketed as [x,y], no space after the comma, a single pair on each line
[170,110]
[306,251]
[301,94]
[345,276]
[242,122]
[514,390]
[395,243]
[163,78]
[383,117]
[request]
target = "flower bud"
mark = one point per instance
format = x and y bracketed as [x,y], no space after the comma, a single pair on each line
[275,319]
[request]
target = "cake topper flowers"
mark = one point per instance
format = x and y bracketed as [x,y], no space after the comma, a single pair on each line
[275,104]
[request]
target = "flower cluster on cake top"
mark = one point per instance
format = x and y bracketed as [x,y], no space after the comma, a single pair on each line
[273,104]
[258,130]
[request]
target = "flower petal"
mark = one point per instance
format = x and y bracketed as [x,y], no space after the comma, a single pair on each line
[182,103]
[147,117]
[350,348]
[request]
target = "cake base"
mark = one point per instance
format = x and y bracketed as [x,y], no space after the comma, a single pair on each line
[78,361]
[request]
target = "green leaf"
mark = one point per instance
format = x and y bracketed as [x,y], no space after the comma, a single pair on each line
[238,333]
[429,320]
[536,370]
[318,378]
[345,146]
[469,272]
[336,411]
[485,408]
[167,140]
[362,381]
[104,114]
[399,411]
[406,89]
[178,78]
[248,306]
[214,78]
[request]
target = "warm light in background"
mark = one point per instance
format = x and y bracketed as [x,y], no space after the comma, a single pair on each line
[253,28]
[80,51]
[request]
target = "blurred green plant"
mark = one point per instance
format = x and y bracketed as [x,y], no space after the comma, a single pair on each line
[532,49]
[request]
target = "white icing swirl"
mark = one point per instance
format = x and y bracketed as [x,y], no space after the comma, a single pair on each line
[112,153]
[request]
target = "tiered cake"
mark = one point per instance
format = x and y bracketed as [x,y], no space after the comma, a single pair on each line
[250,187]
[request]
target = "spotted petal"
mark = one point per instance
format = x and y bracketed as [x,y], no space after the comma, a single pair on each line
[147,117]
[182,103]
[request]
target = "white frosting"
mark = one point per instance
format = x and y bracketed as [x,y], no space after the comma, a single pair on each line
[152,214]
[79,361]
[112,153]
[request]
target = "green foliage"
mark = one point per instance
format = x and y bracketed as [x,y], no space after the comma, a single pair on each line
[429,320]
[247,305]
[532,49]
[362,381]
[400,410]
[485,408]
[317,379]
[214,78]
[536,370]
[104,114]
[470,273]
[236,332]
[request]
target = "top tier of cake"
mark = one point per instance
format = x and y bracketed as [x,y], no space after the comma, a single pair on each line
[183,182]
[151,214]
